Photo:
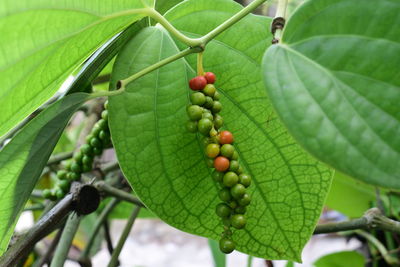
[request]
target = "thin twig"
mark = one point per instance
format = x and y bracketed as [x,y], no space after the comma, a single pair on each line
[59,157]
[124,236]
[61,253]
[47,256]
[112,191]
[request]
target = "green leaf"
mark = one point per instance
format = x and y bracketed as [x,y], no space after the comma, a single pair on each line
[44,41]
[345,190]
[218,257]
[163,6]
[334,82]
[339,259]
[166,165]
[23,159]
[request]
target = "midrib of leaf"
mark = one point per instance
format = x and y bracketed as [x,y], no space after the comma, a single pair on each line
[339,85]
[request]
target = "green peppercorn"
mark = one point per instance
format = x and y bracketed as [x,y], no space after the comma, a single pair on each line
[62,174]
[238,191]
[217,107]
[225,194]
[191,126]
[218,176]
[223,210]
[235,156]
[86,168]
[240,210]
[230,179]
[194,112]
[227,150]
[198,98]
[97,150]
[94,133]
[67,165]
[87,160]
[209,102]
[207,115]
[204,126]
[86,149]
[46,193]
[78,156]
[75,167]
[238,221]
[59,193]
[73,176]
[89,136]
[104,135]
[233,204]
[212,150]
[239,170]
[104,115]
[64,185]
[234,165]
[218,121]
[209,90]
[244,200]
[226,245]
[95,142]
[102,124]
[205,141]
[106,104]
[245,179]
[226,221]
[216,95]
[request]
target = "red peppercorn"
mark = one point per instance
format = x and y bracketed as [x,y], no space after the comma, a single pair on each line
[197,83]
[221,164]
[210,77]
[225,137]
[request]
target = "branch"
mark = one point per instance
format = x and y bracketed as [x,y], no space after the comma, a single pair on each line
[61,253]
[372,219]
[121,195]
[59,157]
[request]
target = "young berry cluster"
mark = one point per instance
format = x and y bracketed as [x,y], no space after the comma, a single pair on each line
[222,156]
[82,161]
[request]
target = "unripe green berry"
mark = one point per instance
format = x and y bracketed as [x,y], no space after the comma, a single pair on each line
[46,193]
[226,221]
[240,210]
[217,107]
[238,221]
[94,133]
[198,98]
[238,191]
[86,168]
[235,156]
[209,102]
[67,165]
[234,165]
[95,142]
[78,156]
[209,90]
[233,204]
[86,149]
[230,179]
[87,160]
[209,162]
[245,200]
[239,170]
[102,124]
[207,115]
[204,126]
[245,179]
[73,176]
[104,135]
[212,150]
[217,95]
[97,150]
[218,121]
[223,210]
[59,193]
[227,245]
[75,167]
[225,195]
[104,115]
[62,174]
[194,112]
[106,104]
[64,185]
[218,176]
[89,136]
[227,150]
[191,126]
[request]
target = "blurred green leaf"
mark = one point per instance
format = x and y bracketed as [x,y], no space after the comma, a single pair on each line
[340,259]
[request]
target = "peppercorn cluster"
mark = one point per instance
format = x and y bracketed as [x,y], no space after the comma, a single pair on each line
[82,161]
[221,155]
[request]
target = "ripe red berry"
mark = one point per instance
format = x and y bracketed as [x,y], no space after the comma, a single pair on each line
[221,164]
[225,137]
[197,83]
[210,77]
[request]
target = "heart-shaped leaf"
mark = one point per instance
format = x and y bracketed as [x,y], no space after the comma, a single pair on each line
[334,80]
[166,165]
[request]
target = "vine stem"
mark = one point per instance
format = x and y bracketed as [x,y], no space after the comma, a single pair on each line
[121,85]
[61,253]
[124,236]
[280,13]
